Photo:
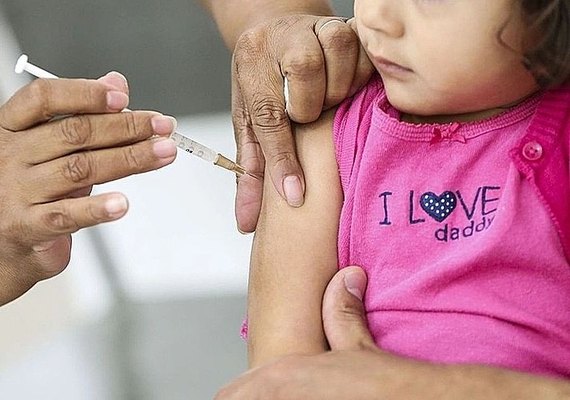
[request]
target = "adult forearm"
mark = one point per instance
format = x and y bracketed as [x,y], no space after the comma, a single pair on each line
[234,17]
[411,379]
[485,383]
[390,377]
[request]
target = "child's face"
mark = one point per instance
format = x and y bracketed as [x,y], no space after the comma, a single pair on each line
[450,53]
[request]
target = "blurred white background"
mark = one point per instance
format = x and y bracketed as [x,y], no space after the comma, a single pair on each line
[150,306]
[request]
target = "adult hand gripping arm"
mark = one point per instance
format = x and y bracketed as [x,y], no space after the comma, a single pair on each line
[356,369]
[323,63]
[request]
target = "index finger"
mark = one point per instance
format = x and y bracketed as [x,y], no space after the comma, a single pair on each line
[250,155]
[90,132]
[44,99]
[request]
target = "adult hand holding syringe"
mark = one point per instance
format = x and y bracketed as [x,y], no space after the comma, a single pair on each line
[182,142]
[59,138]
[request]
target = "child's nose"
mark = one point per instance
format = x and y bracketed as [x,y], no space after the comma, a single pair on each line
[382,15]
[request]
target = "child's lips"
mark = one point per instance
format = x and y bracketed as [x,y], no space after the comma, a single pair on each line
[390,68]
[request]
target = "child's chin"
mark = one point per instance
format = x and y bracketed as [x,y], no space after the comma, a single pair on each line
[414,104]
[407,105]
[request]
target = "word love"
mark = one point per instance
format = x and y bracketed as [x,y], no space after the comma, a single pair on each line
[475,210]
[440,206]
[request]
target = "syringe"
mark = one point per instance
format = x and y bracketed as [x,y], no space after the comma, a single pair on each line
[182,142]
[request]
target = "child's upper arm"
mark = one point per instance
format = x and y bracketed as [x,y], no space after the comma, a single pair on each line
[295,254]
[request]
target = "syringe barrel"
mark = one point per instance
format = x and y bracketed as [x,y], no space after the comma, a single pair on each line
[193,147]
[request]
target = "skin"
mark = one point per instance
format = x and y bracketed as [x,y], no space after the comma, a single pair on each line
[294,255]
[295,252]
[58,139]
[422,36]
[271,39]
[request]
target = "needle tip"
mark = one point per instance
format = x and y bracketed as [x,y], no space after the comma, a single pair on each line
[254,176]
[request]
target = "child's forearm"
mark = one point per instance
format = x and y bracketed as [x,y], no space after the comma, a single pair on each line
[234,17]
[294,255]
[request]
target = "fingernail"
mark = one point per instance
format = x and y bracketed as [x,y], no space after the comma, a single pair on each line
[116,205]
[293,190]
[163,124]
[164,148]
[117,101]
[355,283]
[245,233]
[119,76]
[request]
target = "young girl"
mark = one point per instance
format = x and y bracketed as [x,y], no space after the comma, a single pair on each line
[447,179]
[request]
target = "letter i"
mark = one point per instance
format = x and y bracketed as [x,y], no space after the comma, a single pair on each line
[386,220]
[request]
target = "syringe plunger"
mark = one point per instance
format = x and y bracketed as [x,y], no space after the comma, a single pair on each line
[23,65]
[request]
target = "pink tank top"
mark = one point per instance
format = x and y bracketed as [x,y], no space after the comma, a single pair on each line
[465,261]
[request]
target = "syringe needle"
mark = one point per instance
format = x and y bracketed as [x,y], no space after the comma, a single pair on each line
[183,142]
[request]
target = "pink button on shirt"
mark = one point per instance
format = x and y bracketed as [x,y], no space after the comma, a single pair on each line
[465,261]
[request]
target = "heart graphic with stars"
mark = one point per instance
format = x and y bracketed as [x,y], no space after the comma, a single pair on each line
[438,207]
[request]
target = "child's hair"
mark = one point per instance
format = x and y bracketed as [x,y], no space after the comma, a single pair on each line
[548,51]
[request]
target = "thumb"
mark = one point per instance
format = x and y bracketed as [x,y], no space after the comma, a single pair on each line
[344,318]
[249,189]
[261,88]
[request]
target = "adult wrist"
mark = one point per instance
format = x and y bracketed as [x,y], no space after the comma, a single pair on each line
[12,286]
[234,17]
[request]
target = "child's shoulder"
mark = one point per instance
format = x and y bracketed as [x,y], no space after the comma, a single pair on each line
[561,93]
[356,111]
[553,114]
[556,102]
[364,97]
